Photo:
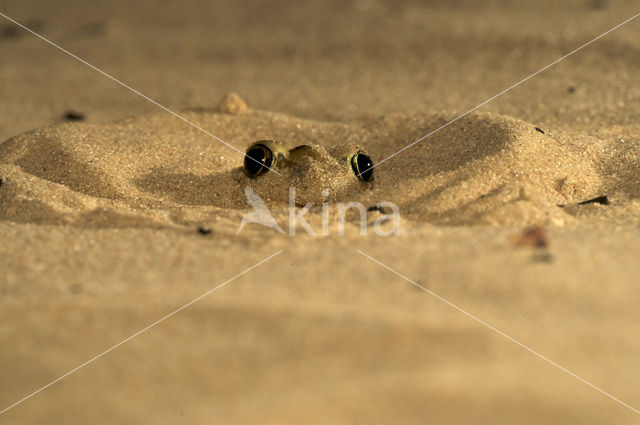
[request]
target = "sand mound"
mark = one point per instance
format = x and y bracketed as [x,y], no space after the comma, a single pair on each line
[155,170]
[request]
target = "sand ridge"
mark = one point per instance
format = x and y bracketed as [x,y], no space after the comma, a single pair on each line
[154,170]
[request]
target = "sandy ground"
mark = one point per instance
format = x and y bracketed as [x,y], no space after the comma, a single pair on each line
[99,219]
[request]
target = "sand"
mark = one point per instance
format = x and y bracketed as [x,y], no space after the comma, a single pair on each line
[119,213]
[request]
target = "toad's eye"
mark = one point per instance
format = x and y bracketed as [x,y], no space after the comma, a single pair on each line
[258,159]
[362,166]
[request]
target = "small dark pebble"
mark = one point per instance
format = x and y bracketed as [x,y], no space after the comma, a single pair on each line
[1,182]
[73,116]
[378,208]
[602,200]
[539,130]
[571,89]
[204,230]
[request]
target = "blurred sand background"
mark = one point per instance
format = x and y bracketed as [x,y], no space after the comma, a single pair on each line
[98,219]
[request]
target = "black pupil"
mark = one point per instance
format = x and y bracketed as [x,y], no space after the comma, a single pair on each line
[363,165]
[257,160]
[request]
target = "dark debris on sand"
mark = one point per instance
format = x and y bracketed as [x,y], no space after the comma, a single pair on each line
[204,230]
[73,116]
[378,208]
[602,200]
[533,237]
